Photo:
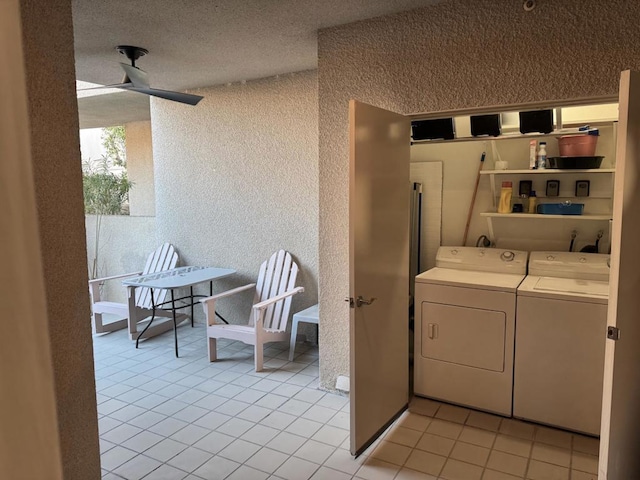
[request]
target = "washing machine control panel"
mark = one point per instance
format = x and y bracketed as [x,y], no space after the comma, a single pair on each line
[495,260]
[586,266]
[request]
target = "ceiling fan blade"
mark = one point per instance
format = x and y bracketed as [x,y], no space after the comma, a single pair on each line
[137,77]
[115,85]
[166,94]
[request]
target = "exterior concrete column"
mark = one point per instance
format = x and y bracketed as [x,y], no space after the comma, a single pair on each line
[53,138]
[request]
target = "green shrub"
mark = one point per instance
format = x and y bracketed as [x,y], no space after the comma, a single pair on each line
[105,193]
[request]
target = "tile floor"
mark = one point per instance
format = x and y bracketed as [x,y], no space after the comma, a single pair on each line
[162,418]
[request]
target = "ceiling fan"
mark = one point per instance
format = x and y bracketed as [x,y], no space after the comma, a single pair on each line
[135,79]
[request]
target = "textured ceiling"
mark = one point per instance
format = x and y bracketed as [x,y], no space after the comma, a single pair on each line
[99,111]
[197,43]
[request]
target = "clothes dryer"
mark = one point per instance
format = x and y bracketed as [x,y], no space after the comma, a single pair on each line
[464,329]
[560,340]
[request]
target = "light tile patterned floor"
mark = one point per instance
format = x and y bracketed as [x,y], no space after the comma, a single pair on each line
[162,418]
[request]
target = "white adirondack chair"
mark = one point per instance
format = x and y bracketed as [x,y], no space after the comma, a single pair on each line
[164,258]
[270,310]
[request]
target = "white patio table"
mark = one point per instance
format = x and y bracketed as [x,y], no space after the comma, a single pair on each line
[172,280]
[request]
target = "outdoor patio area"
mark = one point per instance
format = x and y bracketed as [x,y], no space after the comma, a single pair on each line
[162,417]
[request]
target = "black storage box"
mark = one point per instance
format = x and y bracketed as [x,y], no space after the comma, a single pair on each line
[485,125]
[575,162]
[536,121]
[437,129]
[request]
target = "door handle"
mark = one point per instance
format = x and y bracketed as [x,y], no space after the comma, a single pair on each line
[432,331]
[361,301]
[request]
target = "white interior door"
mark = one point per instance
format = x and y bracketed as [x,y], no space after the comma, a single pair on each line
[379,193]
[620,433]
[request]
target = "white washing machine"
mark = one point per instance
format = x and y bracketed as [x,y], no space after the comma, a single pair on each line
[560,340]
[464,328]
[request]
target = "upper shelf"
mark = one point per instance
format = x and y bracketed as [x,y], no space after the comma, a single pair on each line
[547,171]
[505,136]
[540,216]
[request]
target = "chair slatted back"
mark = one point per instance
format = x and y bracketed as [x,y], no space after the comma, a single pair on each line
[276,276]
[164,258]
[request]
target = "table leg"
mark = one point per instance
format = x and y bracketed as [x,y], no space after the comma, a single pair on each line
[175,325]
[153,316]
[292,341]
[191,290]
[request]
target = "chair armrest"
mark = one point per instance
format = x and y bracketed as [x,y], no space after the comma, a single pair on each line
[227,293]
[265,303]
[114,277]
[209,303]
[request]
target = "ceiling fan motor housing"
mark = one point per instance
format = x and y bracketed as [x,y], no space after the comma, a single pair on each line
[132,53]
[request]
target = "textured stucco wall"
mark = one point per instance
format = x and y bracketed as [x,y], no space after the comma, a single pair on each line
[55,149]
[237,178]
[140,169]
[125,244]
[459,54]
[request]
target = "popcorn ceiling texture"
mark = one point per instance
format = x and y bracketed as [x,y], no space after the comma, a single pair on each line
[453,55]
[140,168]
[55,149]
[237,179]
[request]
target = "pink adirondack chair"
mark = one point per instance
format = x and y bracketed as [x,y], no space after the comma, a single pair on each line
[163,258]
[270,310]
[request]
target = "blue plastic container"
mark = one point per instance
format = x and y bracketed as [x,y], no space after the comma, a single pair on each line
[560,208]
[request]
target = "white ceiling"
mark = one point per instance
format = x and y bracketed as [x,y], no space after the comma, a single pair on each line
[199,43]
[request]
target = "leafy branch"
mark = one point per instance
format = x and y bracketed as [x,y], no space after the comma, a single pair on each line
[114,143]
[105,192]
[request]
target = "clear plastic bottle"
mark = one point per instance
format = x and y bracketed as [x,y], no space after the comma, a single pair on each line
[533,201]
[542,155]
[506,194]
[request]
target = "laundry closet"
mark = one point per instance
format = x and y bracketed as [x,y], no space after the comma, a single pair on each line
[511,306]
[523,271]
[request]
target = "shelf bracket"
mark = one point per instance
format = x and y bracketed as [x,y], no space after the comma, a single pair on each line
[559,125]
[492,179]
[490,225]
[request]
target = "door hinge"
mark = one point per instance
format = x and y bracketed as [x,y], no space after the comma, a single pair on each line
[351,301]
[613,333]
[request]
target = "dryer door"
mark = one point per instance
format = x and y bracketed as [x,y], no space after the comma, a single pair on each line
[466,336]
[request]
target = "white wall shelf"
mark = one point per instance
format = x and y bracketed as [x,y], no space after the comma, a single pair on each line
[542,216]
[505,136]
[490,216]
[547,171]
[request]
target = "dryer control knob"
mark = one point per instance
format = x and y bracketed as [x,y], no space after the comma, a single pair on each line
[454,252]
[507,256]
[583,259]
[550,257]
